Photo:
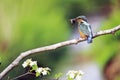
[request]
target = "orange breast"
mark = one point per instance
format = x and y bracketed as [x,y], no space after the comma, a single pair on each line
[82,35]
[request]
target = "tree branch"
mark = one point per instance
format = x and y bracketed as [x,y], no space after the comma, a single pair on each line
[28,73]
[52,47]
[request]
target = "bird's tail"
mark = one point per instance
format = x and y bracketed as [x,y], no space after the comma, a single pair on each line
[89,39]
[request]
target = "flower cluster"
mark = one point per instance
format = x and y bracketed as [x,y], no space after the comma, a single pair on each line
[34,67]
[74,75]
[42,71]
[29,62]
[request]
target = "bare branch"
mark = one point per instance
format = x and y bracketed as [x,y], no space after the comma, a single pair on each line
[52,47]
[28,73]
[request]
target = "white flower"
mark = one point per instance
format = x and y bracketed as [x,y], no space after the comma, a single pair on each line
[47,68]
[44,72]
[80,72]
[76,75]
[39,70]
[71,74]
[26,63]
[34,67]
[33,63]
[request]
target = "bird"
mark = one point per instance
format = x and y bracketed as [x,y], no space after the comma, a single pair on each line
[84,28]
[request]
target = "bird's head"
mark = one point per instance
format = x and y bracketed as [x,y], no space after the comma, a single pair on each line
[79,19]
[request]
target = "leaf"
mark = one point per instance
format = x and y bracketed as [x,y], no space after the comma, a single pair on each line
[34,67]
[37,74]
[70,78]
[58,75]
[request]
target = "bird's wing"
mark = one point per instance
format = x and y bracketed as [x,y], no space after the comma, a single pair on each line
[86,28]
[90,30]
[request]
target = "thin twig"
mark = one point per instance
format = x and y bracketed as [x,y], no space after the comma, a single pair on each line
[21,76]
[52,47]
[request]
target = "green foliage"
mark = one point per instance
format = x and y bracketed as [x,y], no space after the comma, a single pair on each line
[58,75]
[108,46]
[37,74]
[70,78]
[34,67]
[27,24]
[30,24]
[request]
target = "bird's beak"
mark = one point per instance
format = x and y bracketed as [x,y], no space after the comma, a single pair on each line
[73,21]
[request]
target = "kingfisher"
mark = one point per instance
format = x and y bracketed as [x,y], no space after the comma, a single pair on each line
[84,28]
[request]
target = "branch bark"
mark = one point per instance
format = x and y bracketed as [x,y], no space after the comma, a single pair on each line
[52,47]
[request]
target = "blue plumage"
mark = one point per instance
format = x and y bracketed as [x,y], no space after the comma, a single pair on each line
[84,28]
[89,39]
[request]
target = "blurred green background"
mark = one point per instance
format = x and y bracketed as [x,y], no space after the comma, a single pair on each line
[28,24]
